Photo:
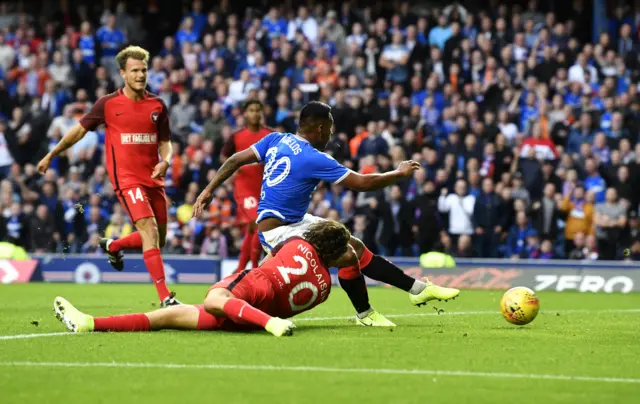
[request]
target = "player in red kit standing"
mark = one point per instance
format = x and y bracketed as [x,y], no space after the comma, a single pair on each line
[137,132]
[248,181]
[295,280]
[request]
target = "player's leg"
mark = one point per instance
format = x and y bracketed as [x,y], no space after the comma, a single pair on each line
[130,199]
[251,249]
[349,276]
[182,317]
[245,249]
[162,235]
[148,229]
[153,230]
[234,296]
[256,246]
[382,270]
[354,285]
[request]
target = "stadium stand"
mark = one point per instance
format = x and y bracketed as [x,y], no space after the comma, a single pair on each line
[526,125]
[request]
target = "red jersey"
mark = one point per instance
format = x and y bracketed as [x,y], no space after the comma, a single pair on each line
[299,279]
[133,129]
[248,180]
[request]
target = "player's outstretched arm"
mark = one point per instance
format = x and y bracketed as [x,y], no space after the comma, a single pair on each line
[72,137]
[230,166]
[372,182]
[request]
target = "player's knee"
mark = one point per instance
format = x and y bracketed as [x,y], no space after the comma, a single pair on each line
[166,318]
[148,229]
[215,300]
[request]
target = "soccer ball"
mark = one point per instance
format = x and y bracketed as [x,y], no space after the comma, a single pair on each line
[519,305]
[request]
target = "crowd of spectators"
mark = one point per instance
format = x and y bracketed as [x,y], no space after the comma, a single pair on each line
[527,129]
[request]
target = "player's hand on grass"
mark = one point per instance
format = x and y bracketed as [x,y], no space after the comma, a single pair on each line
[44,164]
[204,199]
[160,170]
[406,168]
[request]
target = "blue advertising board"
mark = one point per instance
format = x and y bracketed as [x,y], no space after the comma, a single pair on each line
[560,276]
[92,269]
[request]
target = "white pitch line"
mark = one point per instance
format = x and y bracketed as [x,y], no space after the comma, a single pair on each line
[420,372]
[35,335]
[429,314]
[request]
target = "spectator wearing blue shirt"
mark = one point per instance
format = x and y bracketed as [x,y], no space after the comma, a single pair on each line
[440,34]
[529,112]
[582,132]
[374,144]
[323,43]
[87,44]
[186,33]
[418,94]
[469,30]
[572,98]
[259,70]
[394,58]
[283,111]
[607,115]
[169,47]
[617,130]
[198,17]
[600,149]
[110,39]
[156,75]
[440,102]
[295,73]
[430,113]
[274,24]
[517,237]
[594,181]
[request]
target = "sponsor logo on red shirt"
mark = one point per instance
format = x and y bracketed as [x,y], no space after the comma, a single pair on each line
[138,138]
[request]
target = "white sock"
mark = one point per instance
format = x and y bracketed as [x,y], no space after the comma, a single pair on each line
[365,313]
[417,288]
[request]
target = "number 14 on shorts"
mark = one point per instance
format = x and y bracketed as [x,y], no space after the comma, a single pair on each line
[135,195]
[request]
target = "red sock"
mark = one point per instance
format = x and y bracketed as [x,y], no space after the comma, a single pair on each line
[256,250]
[241,312]
[245,251]
[155,266]
[349,273]
[366,258]
[125,322]
[131,242]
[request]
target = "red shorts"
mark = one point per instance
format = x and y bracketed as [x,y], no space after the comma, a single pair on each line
[247,208]
[251,286]
[140,202]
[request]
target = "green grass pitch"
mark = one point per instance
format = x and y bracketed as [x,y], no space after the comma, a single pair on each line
[582,348]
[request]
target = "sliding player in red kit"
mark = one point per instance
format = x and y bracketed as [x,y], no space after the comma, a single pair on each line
[295,280]
[248,181]
[137,132]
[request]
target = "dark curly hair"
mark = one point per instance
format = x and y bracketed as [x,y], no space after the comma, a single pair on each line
[251,102]
[330,240]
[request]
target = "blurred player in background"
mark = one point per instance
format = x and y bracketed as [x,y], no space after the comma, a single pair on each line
[294,166]
[295,280]
[248,181]
[137,132]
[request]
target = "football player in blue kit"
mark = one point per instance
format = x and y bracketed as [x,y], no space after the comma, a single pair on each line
[294,165]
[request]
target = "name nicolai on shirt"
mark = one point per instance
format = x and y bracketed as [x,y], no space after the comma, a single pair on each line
[308,255]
